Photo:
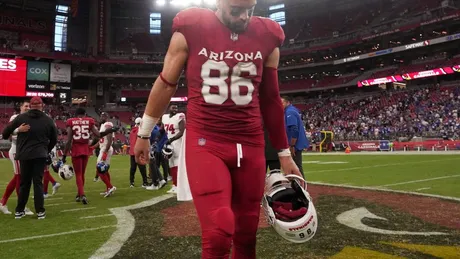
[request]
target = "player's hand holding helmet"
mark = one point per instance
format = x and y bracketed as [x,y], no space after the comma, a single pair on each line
[289,167]
[168,151]
[66,172]
[56,165]
[289,208]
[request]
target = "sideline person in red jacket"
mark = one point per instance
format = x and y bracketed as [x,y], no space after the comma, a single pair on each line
[134,165]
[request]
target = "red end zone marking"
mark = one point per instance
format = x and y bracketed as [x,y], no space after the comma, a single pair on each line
[181,220]
[433,210]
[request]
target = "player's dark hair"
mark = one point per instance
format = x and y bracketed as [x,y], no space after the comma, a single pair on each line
[18,105]
[287,98]
[80,111]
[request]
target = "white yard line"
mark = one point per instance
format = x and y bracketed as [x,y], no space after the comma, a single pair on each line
[53,235]
[87,208]
[370,188]
[378,165]
[125,227]
[97,216]
[421,180]
[52,199]
[59,204]
[421,189]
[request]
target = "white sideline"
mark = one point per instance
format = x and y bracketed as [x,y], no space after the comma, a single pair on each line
[125,227]
[379,165]
[97,216]
[421,180]
[87,208]
[421,189]
[59,204]
[370,188]
[53,235]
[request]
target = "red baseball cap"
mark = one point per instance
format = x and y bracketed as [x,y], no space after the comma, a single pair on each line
[36,100]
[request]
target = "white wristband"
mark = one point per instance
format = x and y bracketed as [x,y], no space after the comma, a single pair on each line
[284,152]
[147,125]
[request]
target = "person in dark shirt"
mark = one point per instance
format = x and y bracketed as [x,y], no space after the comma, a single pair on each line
[271,155]
[33,148]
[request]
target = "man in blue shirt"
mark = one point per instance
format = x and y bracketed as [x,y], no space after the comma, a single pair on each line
[158,139]
[295,130]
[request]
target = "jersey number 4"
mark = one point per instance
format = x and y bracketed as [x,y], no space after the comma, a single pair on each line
[80,132]
[170,128]
[236,81]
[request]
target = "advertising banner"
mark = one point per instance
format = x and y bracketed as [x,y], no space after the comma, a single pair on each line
[36,41]
[378,81]
[428,73]
[62,91]
[60,73]
[20,21]
[37,86]
[365,146]
[38,71]
[13,77]
[410,76]
[101,26]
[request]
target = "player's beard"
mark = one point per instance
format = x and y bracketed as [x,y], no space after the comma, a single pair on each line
[237,27]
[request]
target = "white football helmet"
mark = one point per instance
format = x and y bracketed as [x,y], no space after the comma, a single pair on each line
[289,208]
[66,172]
[168,150]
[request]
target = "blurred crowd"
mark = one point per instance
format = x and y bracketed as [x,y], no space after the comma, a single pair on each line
[427,112]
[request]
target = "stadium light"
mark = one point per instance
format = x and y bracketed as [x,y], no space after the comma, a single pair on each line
[179,2]
[209,2]
[161,2]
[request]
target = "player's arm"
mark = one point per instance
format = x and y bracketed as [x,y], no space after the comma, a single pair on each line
[109,140]
[68,143]
[292,128]
[166,84]
[103,133]
[94,143]
[270,104]
[53,137]
[10,128]
[181,132]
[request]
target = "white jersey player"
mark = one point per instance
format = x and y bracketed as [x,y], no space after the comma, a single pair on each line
[105,154]
[174,124]
[15,182]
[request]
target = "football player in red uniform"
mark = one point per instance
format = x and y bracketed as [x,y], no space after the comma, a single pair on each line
[231,60]
[79,131]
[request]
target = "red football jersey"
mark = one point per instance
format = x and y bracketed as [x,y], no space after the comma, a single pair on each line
[223,73]
[81,133]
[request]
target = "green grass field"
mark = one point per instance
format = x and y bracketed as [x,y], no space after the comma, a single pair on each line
[72,230]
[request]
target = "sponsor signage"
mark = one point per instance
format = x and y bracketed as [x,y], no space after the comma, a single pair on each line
[101,27]
[13,77]
[60,87]
[40,94]
[26,21]
[38,71]
[409,76]
[60,73]
[400,48]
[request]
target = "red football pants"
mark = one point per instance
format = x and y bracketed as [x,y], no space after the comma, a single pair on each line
[12,185]
[79,166]
[226,196]
[47,178]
